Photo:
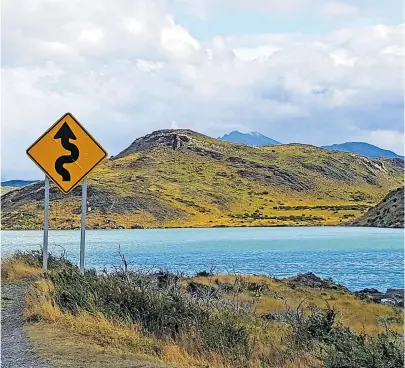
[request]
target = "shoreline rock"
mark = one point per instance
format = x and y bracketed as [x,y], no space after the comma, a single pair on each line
[393,297]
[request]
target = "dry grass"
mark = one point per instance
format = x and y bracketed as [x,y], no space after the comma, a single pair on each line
[66,348]
[359,315]
[69,340]
[92,340]
[85,339]
[12,270]
[40,306]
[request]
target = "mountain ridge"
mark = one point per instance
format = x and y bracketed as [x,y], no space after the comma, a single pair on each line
[257,139]
[17,183]
[362,148]
[252,138]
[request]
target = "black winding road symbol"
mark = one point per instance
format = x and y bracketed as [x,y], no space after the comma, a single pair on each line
[64,134]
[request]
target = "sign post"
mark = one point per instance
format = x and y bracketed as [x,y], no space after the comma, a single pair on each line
[46,221]
[83,227]
[66,153]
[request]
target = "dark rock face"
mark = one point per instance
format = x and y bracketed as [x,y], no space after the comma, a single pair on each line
[34,193]
[388,213]
[311,280]
[394,297]
[137,226]
[160,138]
[270,174]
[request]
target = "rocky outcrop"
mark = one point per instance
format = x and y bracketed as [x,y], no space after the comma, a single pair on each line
[388,213]
[160,138]
[313,281]
[393,297]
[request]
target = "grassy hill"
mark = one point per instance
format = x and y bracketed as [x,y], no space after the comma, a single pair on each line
[179,178]
[388,213]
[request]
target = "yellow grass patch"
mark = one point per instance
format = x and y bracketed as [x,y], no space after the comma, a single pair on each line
[359,315]
[39,305]
[12,270]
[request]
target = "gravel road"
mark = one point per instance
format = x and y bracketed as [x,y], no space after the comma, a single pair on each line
[16,349]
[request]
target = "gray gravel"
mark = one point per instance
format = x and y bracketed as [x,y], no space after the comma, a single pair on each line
[16,349]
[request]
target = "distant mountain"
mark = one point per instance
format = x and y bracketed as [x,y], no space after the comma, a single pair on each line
[388,213]
[251,139]
[364,149]
[17,183]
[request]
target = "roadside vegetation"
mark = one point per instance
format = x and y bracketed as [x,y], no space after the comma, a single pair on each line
[225,321]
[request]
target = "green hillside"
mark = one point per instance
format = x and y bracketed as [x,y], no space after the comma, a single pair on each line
[180,178]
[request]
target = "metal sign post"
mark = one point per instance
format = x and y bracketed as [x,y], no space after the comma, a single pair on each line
[66,143]
[46,220]
[83,226]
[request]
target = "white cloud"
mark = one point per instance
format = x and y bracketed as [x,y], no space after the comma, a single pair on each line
[125,68]
[337,9]
[134,26]
[255,53]
[285,6]
[177,41]
[92,36]
[343,57]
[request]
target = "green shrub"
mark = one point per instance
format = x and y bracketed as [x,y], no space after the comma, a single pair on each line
[342,348]
[227,335]
[357,351]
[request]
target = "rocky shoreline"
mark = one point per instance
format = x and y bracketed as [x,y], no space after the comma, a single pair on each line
[392,297]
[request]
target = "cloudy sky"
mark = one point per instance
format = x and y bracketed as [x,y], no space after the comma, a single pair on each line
[310,71]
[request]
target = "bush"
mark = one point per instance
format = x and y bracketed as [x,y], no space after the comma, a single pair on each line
[340,347]
[357,351]
[227,335]
[203,274]
[165,310]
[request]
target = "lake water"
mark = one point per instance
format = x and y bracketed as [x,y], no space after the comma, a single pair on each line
[355,257]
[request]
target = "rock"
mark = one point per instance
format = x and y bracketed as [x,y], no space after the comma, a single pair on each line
[311,280]
[394,297]
[137,226]
[368,291]
[398,293]
[388,213]
[388,301]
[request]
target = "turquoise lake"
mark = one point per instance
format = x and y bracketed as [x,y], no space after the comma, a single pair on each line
[355,257]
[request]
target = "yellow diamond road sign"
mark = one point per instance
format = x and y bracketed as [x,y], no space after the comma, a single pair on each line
[66,153]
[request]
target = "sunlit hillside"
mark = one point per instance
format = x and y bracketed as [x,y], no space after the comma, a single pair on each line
[180,178]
